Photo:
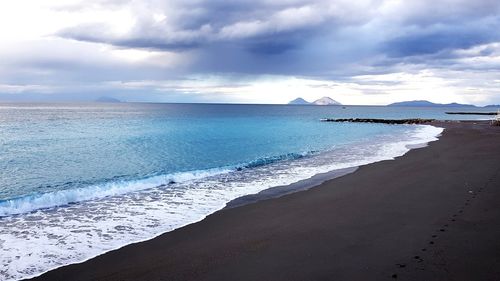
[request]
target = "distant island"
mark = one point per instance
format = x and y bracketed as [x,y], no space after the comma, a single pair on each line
[299,101]
[107,99]
[321,101]
[419,103]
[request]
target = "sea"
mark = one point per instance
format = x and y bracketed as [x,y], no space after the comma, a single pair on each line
[81,179]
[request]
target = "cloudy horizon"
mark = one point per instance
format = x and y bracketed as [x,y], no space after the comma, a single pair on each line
[357,52]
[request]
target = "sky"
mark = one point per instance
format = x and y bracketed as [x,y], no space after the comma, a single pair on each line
[251,51]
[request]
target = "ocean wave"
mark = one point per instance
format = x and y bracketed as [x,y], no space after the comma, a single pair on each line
[273,159]
[33,202]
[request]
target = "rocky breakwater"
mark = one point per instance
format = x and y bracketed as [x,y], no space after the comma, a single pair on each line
[471,113]
[382,121]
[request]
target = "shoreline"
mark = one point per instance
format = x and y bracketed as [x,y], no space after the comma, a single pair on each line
[318,179]
[314,181]
[137,246]
[266,194]
[279,191]
[276,191]
[269,194]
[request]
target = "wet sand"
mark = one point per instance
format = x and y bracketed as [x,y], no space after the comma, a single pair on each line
[432,214]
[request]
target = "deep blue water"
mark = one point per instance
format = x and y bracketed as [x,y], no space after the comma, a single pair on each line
[136,170]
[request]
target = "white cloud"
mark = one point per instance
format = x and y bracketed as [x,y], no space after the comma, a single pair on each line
[17,89]
[239,51]
[366,89]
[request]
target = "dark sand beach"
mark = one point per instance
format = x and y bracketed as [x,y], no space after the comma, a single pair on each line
[432,214]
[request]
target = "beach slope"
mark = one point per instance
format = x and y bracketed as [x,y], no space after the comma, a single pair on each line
[432,214]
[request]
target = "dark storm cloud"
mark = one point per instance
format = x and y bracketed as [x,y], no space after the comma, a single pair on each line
[148,43]
[264,27]
[433,40]
[304,37]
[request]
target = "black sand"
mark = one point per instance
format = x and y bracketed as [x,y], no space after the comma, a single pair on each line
[433,214]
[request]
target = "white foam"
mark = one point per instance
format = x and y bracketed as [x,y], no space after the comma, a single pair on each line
[33,243]
[65,197]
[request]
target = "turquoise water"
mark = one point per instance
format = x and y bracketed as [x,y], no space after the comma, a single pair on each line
[77,180]
[49,148]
